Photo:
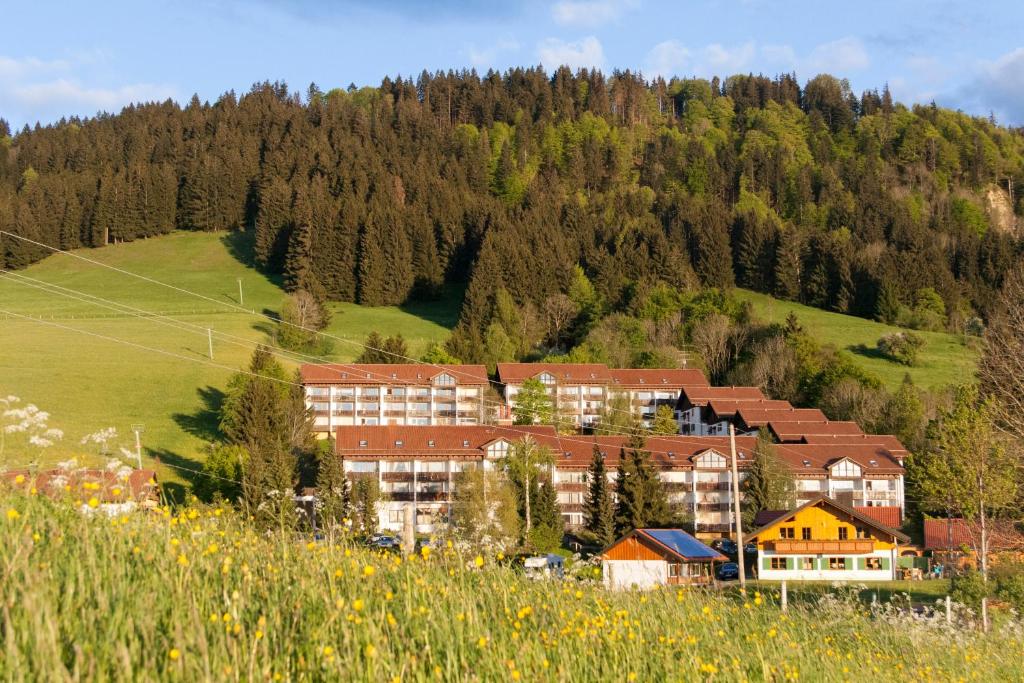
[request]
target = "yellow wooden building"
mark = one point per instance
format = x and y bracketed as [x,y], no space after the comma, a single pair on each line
[824,540]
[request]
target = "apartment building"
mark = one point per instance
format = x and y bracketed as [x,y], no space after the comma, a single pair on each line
[394,394]
[417,467]
[582,391]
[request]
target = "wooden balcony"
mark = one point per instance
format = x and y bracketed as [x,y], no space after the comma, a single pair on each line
[571,507]
[432,476]
[799,547]
[398,496]
[570,486]
[713,507]
[396,476]
[677,486]
[713,486]
[355,476]
[431,496]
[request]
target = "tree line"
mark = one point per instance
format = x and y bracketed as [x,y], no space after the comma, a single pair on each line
[513,184]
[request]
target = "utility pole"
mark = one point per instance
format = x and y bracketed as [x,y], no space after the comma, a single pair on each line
[241,299]
[740,555]
[138,429]
[209,341]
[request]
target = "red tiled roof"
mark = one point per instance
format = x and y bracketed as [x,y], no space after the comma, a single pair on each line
[873,459]
[726,408]
[105,485]
[891,516]
[797,430]
[572,373]
[946,534]
[666,377]
[825,501]
[760,417]
[890,443]
[699,396]
[389,373]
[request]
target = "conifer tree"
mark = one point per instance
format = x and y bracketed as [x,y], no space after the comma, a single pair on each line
[598,508]
[332,488]
[768,484]
[548,523]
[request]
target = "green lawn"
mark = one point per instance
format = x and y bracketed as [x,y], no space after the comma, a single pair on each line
[88,383]
[944,360]
[920,592]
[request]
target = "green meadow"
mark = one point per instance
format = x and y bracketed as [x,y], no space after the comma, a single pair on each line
[946,358]
[88,381]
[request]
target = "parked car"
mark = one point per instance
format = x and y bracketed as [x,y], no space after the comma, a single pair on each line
[728,571]
[727,547]
[384,542]
[750,549]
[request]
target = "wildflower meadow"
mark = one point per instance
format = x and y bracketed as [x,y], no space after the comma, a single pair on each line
[200,594]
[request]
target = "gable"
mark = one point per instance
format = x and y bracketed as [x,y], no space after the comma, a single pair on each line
[823,506]
[710,459]
[845,468]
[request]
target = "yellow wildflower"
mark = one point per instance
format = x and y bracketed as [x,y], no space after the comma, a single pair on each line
[13,514]
[93,502]
[20,479]
[182,560]
[368,570]
[174,654]
[479,561]
[370,651]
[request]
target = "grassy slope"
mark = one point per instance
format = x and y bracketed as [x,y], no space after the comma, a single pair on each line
[945,359]
[88,383]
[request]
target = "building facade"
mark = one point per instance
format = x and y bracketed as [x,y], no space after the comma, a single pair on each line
[417,466]
[824,540]
[645,558]
[582,392]
[394,394]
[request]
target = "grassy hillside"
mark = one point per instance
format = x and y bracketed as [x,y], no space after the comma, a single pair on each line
[224,601]
[88,383]
[945,360]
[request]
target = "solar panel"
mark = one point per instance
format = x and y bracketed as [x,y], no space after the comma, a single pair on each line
[683,543]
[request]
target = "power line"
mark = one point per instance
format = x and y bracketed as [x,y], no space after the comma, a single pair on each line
[253,312]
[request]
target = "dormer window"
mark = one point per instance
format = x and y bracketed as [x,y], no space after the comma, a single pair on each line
[807,463]
[671,454]
[394,375]
[567,454]
[399,443]
[465,443]
[874,463]
[362,443]
[430,443]
[546,378]
[845,468]
[344,375]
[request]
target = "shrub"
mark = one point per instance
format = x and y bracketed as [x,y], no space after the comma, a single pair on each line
[902,347]
[969,588]
[1011,590]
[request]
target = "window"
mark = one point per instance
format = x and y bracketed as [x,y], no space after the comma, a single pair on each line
[547,378]
[778,562]
[844,533]
[362,443]
[837,563]
[498,449]
[675,570]
[444,379]
[396,516]
[805,533]
[787,532]
[808,564]
[872,563]
[399,443]
[361,466]
[433,466]
[863,533]
[845,468]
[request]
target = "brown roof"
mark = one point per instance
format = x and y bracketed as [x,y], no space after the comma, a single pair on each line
[796,431]
[890,443]
[664,377]
[956,533]
[765,517]
[759,417]
[836,505]
[389,373]
[890,516]
[105,485]
[699,396]
[426,441]
[726,408]
[873,459]
[573,373]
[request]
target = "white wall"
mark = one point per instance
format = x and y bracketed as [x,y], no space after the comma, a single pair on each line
[625,574]
[887,574]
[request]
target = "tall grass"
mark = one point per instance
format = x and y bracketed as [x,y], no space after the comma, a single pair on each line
[200,595]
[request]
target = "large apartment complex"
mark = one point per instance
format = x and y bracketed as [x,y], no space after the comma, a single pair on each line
[417,467]
[394,394]
[582,392]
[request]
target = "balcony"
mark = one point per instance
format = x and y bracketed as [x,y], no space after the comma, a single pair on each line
[713,486]
[355,476]
[394,413]
[676,486]
[418,413]
[432,476]
[713,507]
[397,476]
[714,528]
[848,547]
[571,486]
[431,496]
[368,413]
[399,496]
[571,507]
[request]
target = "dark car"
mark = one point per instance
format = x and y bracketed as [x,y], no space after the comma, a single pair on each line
[750,549]
[728,547]
[728,571]
[383,542]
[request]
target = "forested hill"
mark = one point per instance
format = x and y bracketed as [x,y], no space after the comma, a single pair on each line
[509,181]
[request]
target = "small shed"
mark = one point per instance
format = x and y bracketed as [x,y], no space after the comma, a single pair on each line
[545,566]
[644,558]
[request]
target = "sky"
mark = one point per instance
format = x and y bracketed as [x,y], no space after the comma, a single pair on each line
[68,57]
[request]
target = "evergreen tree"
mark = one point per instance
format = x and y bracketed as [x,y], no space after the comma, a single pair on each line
[533,404]
[365,496]
[599,509]
[332,488]
[548,523]
[768,484]
[665,421]
[641,498]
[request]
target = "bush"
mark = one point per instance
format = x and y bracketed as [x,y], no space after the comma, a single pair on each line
[902,347]
[969,588]
[1011,589]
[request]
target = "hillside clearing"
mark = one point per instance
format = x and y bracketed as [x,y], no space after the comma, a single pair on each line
[945,359]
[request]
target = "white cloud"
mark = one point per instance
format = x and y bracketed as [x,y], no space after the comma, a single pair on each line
[34,89]
[76,96]
[997,86]
[590,13]
[838,57]
[723,60]
[667,59]
[582,53]
[483,58]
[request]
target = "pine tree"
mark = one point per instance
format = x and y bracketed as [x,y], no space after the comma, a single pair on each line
[332,486]
[365,495]
[642,501]
[598,508]
[549,525]
[665,421]
[768,484]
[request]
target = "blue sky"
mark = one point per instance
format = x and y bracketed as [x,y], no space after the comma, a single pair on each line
[71,57]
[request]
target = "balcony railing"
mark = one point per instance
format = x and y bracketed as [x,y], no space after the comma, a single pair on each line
[396,476]
[570,486]
[571,507]
[399,496]
[836,547]
[676,486]
[713,507]
[431,496]
[432,476]
[361,475]
[714,528]
[713,486]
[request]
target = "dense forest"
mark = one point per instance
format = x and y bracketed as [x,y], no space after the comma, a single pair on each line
[562,198]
